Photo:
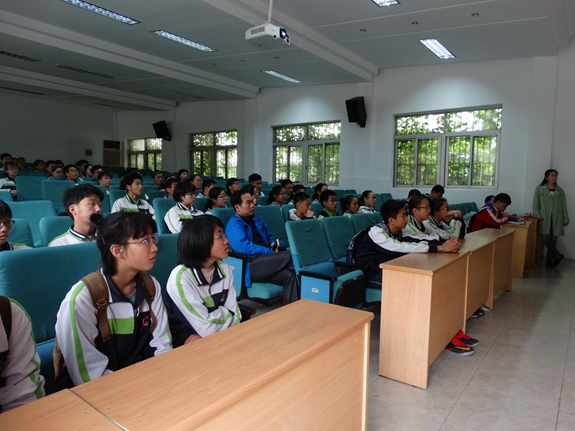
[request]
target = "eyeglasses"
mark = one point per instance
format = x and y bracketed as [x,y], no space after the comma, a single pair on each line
[72,170]
[222,197]
[147,242]
[223,237]
[12,169]
[424,208]
[237,183]
[444,209]
[282,194]
[8,223]
[331,200]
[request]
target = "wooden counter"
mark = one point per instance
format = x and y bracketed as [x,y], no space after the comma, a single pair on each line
[301,367]
[524,242]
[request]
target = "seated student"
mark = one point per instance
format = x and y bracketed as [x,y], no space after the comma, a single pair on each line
[493,214]
[58,162]
[467,217]
[349,205]
[39,166]
[6,224]
[105,180]
[185,196]
[436,192]
[183,175]
[121,175]
[302,210]
[367,202]
[252,190]
[320,187]
[201,293]
[217,199]
[22,163]
[96,169]
[19,361]
[49,164]
[288,186]
[80,203]
[132,202]
[207,185]
[157,179]
[81,166]
[328,200]
[298,188]
[196,180]
[88,171]
[419,209]
[4,158]
[71,173]
[56,171]
[249,235]
[439,218]
[277,196]
[9,181]
[168,187]
[232,185]
[256,181]
[93,346]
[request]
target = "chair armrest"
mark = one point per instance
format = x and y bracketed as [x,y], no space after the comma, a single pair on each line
[237,255]
[344,267]
[317,275]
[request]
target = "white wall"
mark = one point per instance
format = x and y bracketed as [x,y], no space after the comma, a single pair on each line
[41,129]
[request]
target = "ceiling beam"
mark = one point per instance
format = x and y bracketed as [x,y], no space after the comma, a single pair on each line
[558,12]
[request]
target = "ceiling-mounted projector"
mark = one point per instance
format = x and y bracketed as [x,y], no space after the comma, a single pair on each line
[267,36]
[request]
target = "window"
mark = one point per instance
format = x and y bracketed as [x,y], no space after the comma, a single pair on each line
[215,154]
[307,153]
[145,153]
[457,148]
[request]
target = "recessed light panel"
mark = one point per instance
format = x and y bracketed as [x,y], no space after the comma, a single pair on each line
[281,76]
[437,48]
[385,3]
[18,56]
[101,11]
[85,72]
[182,40]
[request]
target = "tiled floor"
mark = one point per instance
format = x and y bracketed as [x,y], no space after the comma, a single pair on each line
[521,377]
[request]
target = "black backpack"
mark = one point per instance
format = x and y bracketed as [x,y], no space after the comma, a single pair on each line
[354,245]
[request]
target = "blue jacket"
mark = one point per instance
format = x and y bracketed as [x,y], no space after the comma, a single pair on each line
[241,240]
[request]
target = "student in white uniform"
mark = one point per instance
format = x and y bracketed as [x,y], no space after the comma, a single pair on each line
[367,202]
[185,196]
[444,222]
[9,181]
[218,199]
[6,224]
[132,202]
[80,203]
[201,292]
[207,185]
[277,196]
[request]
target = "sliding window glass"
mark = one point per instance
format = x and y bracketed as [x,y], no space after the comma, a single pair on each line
[214,154]
[145,153]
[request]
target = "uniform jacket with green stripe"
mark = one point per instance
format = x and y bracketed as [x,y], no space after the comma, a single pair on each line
[421,231]
[86,356]
[205,307]
[128,204]
[455,229]
[177,214]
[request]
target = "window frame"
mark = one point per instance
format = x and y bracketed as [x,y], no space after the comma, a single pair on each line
[213,149]
[145,152]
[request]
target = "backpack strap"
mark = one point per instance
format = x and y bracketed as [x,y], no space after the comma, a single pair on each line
[99,292]
[6,316]
[151,289]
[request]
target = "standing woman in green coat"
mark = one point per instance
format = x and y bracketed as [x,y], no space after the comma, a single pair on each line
[550,207]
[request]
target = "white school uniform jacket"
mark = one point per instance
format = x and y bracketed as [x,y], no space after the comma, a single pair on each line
[78,333]
[201,303]
[21,370]
[71,237]
[127,204]
[175,216]
[13,246]
[456,229]
[365,210]
[420,231]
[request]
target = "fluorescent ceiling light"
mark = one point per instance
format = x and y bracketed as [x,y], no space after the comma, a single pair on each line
[101,11]
[179,39]
[281,76]
[437,48]
[385,3]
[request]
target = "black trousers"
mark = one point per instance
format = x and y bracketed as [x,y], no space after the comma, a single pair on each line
[276,268]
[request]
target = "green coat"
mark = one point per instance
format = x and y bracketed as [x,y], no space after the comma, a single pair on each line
[550,207]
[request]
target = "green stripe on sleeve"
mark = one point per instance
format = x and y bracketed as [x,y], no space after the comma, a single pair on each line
[77,344]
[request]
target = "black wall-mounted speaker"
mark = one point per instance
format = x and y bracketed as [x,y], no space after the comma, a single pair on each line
[356,111]
[162,131]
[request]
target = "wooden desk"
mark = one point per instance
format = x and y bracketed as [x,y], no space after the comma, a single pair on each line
[60,411]
[502,259]
[422,308]
[301,367]
[523,242]
[533,240]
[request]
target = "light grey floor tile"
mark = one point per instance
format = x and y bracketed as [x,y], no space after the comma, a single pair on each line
[450,426]
[565,422]
[567,403]
[453,367]
[385,415]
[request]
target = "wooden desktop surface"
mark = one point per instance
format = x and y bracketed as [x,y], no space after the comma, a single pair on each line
[60,411]
[303,366]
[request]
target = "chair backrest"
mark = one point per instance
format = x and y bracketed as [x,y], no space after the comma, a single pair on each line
[286,209]
[53,226]
[350,192]
[273,217]
[384,197]
[316,208]
[456,207]
[106,206]
[153,194]
[115,195]
[21,233]
[224,214]
[308,245]
[53,190]
[473,206]
[161,207]
[339,193]
[466,208]
[6,196]
[29,187]
[166,259]
[378,217]
[200,204]
[33,212]
[361,221]
[338,232]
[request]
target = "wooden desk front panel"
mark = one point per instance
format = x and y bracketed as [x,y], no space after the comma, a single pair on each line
[502,265]
[479,277]
[522,243]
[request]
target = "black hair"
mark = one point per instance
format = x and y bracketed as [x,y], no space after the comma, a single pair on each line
[230,182]
[250,189]
[207,183]
[547,172]
[54,167]
[193,177]
[324,196]
[129,179]
[95,168]
[437,204]
[346,202]
[415,201]
[5,210]
[37,162]
[502,197]
[66,168]
[81,162]
[50,162]
[317,190]
[5,155]
[103,174]
[59,162]
[213,194]
[182,189]
[181,171]
[438,188]
[75,195]
[254,177]
[169,181]
[196,240]
[390,209]
[236,198]
[130,170]
[119,228]
[275,191]
[488,198]
[154,173]
[413,192]
[122,174]
[364,196]
[299,198]
[286,182]
[297,188]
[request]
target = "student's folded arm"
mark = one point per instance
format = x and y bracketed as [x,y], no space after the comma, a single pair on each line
[173,221]
[381,239]
[161,337]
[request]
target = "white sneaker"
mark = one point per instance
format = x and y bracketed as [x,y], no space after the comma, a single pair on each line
[484,308]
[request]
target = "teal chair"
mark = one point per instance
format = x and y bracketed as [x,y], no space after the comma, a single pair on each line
[155,194]
[6,196]
[383,197]
[166,259]
[317,208]
[473,206]
[339,193]
[106,207]
[466,208]
[29,187]
[53,191]
[161,208]
[33,212]
[286,209]
[274,218]
[338,233]
[350,192]
[457,207]
[224,214]
[378,217]
[51,227]
[322,279]
[200,204]
[361,221]
[115,195]
[21,233]
[39,279]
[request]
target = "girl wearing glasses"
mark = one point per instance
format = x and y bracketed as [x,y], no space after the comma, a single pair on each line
[6,224]
[217,199]
[201,294]
[277,196]
[367,202]
[137,321]
[444,222]
[349,205]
